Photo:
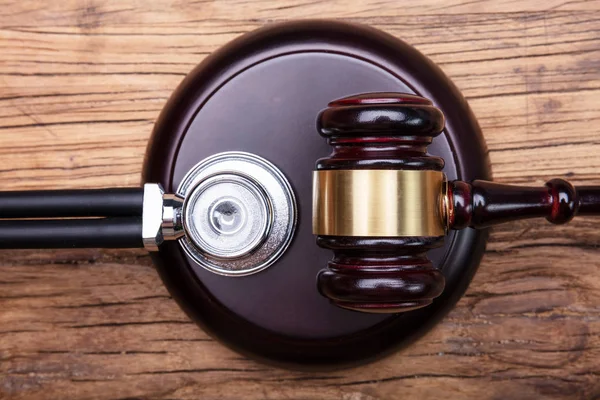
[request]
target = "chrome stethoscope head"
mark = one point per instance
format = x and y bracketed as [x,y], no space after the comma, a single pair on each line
[234,214]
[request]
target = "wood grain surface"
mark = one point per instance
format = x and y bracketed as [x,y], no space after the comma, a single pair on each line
[81,84]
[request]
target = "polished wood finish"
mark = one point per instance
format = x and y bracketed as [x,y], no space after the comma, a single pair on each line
[198,121]
[480,204]
[392,131]
[99,324]
[380,131]
[380,275]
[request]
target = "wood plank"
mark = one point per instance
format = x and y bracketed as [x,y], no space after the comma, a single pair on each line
[82,82]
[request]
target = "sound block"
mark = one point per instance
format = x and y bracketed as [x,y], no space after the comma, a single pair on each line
[261,94]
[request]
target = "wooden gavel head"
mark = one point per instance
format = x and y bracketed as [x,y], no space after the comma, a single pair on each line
[376,202]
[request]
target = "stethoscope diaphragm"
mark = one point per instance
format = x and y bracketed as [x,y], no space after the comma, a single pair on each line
[239,213]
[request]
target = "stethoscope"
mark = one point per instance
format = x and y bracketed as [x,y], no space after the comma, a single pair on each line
[234,214]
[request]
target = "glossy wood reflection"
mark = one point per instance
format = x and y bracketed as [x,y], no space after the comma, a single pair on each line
[480,204]
[392,131]
[380,131]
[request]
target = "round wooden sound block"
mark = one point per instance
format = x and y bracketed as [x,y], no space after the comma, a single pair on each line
[261,94]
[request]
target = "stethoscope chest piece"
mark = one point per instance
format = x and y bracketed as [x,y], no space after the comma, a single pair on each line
[239,213]
[237,144]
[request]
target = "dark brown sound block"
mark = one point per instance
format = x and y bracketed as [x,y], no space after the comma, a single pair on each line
[261,94]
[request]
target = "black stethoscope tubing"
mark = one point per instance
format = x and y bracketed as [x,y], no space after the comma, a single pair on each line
[101,218]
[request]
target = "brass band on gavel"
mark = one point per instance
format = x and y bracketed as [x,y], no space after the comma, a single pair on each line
[379,203]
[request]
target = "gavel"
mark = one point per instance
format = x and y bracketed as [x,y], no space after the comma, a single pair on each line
[380,202]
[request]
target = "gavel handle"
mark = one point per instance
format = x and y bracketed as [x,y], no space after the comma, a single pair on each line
[480,204]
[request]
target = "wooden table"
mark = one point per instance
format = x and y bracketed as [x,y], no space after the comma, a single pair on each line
[81,84]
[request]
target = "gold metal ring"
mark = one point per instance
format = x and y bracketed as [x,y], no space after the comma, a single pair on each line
[382,203]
